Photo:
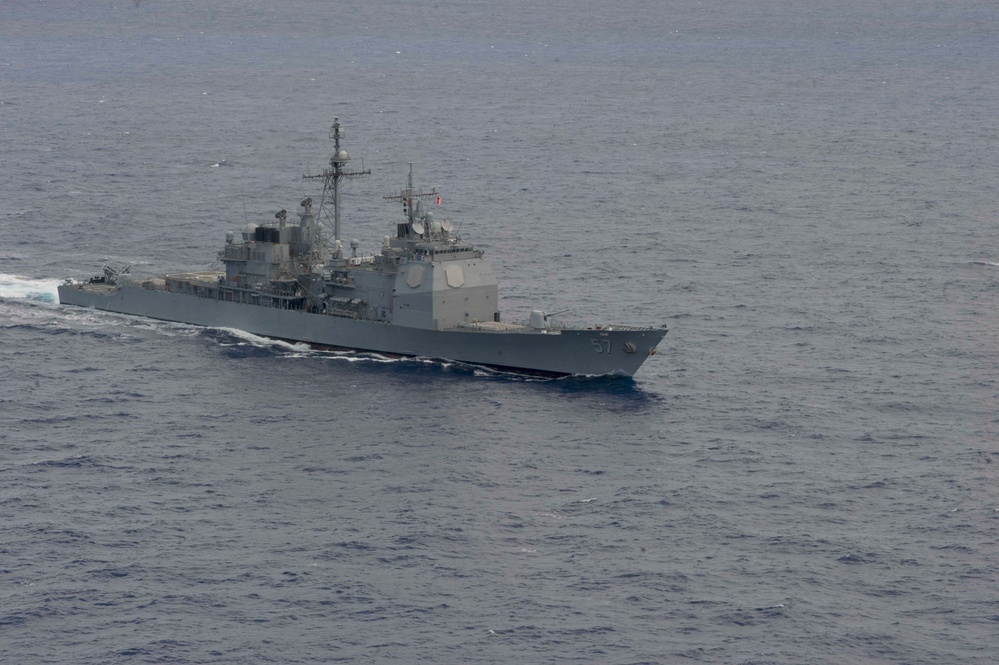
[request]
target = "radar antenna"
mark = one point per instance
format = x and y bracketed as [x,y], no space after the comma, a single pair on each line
[407,196]
[332,177]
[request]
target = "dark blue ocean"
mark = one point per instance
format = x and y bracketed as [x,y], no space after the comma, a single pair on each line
[807,194]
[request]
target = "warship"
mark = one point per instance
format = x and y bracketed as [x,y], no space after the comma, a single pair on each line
[427,293]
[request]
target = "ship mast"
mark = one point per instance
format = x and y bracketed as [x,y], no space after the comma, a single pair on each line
[409,194]
[332,178]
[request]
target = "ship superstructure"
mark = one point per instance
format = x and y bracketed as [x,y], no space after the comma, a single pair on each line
[427,293]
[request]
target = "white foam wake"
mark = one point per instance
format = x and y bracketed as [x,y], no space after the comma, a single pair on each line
[299,349]
[13,287]
[263,342]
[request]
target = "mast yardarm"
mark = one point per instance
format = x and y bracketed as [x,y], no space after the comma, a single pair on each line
[332,177]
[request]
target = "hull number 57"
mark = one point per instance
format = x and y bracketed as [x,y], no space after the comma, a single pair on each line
[601,345]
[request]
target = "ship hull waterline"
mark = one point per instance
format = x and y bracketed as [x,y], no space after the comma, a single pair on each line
[558,352]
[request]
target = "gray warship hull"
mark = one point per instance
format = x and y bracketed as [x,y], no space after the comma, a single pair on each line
[609,350]
[427,293]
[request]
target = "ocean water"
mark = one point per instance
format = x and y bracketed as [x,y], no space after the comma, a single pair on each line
[808,472]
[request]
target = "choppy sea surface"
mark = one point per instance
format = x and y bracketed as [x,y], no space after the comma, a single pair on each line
[808,472]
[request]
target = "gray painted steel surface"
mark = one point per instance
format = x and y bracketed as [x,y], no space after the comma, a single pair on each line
[426,294]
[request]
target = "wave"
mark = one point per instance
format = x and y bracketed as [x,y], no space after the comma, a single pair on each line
[239,343]
[234,338]
[986,263]
[14,287]
[246,338]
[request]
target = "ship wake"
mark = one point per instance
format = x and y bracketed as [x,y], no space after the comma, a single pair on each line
[14,287]
[242,344]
